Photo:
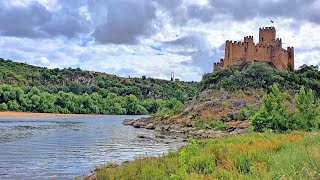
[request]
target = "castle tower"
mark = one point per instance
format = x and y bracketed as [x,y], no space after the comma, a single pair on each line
[249,48]
[290,51]
[269,50]
[267,35]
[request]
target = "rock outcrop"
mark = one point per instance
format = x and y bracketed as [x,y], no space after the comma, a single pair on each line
[212,114]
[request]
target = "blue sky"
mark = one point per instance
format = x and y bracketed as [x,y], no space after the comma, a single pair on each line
[149,37]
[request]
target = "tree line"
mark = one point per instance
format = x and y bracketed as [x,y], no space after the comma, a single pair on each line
[14,98]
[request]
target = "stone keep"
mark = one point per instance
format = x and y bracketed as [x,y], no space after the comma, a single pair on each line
[268,50]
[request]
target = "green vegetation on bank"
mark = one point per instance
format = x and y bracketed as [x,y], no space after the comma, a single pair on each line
[291,103]
[262,76]
[294,155]
[30,88]
[277,114]
[16,99]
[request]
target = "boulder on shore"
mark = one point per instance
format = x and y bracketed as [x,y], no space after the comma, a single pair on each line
[128,122]
[139,124]
[141,136]
[150,126]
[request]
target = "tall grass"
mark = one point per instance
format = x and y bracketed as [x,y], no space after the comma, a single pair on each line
[294,155]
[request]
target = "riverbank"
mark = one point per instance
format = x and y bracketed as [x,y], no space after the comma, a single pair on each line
[30,114]
[292,155]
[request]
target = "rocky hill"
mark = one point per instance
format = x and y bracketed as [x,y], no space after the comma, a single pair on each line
[229,98]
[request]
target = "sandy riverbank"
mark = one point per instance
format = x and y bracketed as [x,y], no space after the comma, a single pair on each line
[29,114]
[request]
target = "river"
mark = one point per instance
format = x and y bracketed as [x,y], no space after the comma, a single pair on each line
[66,147]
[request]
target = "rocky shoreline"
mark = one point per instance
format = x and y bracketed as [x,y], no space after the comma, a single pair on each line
[164,128]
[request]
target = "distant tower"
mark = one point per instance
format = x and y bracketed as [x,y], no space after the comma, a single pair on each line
[172,76]
[267,35]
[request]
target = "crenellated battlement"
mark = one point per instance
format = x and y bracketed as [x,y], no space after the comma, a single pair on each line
[268,49]
[267,28]
[218,65]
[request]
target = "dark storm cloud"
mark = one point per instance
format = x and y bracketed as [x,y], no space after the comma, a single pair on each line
[23,21]
[124,21]
[35,21]
[127,21]
[67,21]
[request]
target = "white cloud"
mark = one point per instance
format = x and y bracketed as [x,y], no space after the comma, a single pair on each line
[178,39]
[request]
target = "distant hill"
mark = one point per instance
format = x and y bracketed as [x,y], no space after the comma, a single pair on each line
[78,82]
[30,88]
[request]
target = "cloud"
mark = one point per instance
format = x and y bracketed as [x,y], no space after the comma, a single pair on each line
[195,46]
[249,9]
[34,20]
[125,21]
[149,37]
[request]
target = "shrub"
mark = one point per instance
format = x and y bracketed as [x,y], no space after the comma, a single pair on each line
[275,115]
[307,115]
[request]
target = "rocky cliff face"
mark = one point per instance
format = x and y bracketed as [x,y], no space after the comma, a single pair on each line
[210,114]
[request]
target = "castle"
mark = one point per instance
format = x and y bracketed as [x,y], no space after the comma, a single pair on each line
[269,50]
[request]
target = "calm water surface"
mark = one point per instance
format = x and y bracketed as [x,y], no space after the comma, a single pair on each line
[66,147]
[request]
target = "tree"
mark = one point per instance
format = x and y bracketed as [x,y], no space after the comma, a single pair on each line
[13,105]
[3,107]
[273,113]
[307,115]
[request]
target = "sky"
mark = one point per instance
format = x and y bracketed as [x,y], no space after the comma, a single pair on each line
[150,37]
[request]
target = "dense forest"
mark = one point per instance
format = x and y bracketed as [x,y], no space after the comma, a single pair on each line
[30,88]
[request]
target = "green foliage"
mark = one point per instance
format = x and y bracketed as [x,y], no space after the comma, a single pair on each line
[294,155]
[307,115]
[185,156]
[3,107]
[37,89]
[219,125]
[262,76]
[171,107]
[34,100]
[275,113]
[79,82]
[199,123]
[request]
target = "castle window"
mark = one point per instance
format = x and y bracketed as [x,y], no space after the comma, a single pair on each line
[262,39]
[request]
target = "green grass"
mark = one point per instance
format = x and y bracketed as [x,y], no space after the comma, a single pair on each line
[294,155]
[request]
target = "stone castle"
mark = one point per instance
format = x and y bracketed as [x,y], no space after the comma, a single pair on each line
[269,50]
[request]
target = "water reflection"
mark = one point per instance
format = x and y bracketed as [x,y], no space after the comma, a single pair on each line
[65,147]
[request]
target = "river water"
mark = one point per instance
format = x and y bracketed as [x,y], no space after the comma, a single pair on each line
[66,147]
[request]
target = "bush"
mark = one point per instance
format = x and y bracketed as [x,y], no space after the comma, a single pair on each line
[3,106]
[275,114]
[307,115]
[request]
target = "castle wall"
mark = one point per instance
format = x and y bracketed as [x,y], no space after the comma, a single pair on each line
[269,49]
[280,59]
[262,53]
[249,48]
[238,53]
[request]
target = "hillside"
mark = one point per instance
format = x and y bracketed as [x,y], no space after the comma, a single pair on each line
[277,114]
[230,97]
[78,81]
[30,88]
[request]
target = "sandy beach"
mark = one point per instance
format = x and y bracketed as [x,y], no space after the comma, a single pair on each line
[29,114]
